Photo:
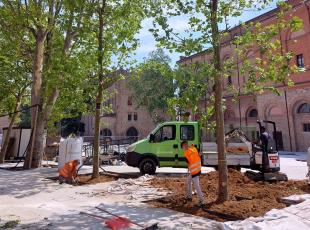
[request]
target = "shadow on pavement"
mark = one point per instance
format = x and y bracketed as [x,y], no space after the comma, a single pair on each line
[25,183]
[145,216]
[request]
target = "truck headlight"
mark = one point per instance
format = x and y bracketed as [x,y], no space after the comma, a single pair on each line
[131,148]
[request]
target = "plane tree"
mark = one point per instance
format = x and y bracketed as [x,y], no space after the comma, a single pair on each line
[115,25]
[152,84]
[207,26]
[54,34]
[15,81]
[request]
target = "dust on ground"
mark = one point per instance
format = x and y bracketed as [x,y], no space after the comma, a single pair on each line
[246,197]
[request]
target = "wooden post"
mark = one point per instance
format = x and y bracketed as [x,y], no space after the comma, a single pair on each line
[32,137]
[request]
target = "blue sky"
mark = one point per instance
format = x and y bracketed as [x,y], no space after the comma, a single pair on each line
[148,44]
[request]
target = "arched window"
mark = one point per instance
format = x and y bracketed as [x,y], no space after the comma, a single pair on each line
[253,113]
[236,35]
[129,101]
[304,108]
[229,80]
[106,133]
[132,132]
[275,111]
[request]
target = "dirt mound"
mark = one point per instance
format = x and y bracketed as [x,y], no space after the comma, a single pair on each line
[246,197]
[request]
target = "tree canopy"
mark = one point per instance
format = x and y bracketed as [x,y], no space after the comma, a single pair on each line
[152,84]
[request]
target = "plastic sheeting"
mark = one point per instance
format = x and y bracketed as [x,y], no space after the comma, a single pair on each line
[70,149]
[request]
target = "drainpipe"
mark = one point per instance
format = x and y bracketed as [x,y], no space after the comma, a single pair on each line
[239,93]
[285,97]
[238,75]
[288,121]
[308,9]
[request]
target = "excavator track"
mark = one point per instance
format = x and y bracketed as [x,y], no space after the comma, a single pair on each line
[269,177]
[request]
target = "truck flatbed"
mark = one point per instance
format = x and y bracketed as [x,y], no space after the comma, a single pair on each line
[210,158]
[210,155]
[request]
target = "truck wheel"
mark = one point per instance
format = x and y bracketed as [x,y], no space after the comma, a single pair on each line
[147,166]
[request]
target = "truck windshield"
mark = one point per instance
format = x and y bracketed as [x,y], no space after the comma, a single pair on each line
[153,131]
[165,133]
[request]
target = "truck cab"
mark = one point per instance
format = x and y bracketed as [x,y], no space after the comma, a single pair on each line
[162,147]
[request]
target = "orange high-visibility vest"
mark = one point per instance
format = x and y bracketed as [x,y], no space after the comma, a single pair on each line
[194,161]
[69,170]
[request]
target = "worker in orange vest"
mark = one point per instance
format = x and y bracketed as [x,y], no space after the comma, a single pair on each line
[194,167]
[68,173]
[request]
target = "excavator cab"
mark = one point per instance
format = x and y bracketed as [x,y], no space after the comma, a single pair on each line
[266,153]
[265,157]
[265,133]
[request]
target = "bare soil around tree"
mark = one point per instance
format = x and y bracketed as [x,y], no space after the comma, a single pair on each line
[247,198]
[103,177]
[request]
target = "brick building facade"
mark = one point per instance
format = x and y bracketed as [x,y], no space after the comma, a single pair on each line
[291,110]
[126,119]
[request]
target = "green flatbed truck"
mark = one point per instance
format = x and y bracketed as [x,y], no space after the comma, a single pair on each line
[162,148]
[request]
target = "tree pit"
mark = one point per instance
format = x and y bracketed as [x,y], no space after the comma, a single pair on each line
[84,179]
[87,179]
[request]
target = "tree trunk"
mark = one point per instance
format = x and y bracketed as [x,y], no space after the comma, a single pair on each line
[8,133]
[39,138]
[219,115]
[100,94]
[97,133]
[34,159]
[40,135]
[46,108]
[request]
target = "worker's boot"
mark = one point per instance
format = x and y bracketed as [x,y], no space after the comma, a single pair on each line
[201,204]
[61,180]
[187,200]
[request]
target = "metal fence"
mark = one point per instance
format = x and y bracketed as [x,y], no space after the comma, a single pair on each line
[109,145]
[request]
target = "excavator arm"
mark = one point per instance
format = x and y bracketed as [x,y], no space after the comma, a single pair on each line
[236,133]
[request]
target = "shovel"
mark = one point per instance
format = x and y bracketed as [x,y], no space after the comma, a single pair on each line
[152,227]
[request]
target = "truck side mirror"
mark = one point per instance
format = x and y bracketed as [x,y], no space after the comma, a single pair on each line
[152,137]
